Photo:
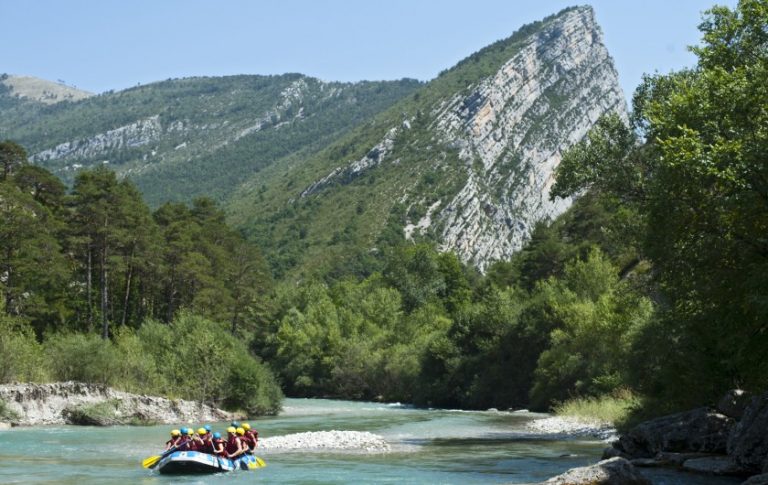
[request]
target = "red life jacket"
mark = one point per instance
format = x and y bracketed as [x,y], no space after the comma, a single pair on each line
[254,437]
[173,442]
[193,445]
[232,444]
[207,446]
[183,443]
[248,443]
[215,444]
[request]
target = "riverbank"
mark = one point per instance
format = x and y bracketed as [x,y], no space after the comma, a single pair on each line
[90,404]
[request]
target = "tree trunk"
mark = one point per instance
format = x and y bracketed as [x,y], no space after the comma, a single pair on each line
[127,291]
[89,288]
[104,294]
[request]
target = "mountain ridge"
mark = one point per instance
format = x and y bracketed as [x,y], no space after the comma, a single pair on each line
[469,157]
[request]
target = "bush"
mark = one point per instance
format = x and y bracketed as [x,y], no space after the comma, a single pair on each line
[24,358]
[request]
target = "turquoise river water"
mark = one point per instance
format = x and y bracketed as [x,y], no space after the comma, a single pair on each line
[428,447]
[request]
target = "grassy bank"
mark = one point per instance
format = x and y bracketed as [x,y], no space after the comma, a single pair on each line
[613,409]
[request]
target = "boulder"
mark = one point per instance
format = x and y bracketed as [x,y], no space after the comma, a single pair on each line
[757,480]
[702,430]
[713,465]
[734,403]
[615,471]
[612,452]
[677,459]
[748,443]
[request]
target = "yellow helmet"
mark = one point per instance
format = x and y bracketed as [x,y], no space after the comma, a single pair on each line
[240,431]
[191,432]
[175,432]
[231,429]
[201,431]
[246,426]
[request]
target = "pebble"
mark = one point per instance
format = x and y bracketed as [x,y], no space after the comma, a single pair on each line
[571,426]
[356,441]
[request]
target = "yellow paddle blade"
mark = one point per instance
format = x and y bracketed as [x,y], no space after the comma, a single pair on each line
[260,462]
[151,461]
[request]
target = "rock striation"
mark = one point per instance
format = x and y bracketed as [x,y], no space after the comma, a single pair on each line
[72,403]
[501,136]
[517,123]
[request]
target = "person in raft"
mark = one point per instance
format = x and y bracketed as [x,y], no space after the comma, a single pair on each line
[250,439]
[199,442]
[234,446]
[175,439]
[219,445]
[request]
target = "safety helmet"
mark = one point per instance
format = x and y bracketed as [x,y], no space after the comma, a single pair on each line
[240,431]
[217,435]
[207,427]
[175,432]
[235,424]
[184,430]
[201,431]
[191,432]
[231,429]
[246,426]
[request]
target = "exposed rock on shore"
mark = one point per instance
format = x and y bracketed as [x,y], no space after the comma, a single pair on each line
[615,471]
[731,439]
[90,404]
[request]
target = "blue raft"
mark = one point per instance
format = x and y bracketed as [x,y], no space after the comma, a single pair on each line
[185,462]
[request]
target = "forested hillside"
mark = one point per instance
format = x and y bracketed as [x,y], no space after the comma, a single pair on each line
[119,295]
[183,138]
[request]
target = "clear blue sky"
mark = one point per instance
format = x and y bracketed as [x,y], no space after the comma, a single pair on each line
[99,45]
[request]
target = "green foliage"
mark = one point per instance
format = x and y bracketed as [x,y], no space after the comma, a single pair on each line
[600,317]
[6,413]
[23,357]
[703,204]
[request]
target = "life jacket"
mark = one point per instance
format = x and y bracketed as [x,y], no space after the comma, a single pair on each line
[172,442]
[184,443]
[254,438]
[232,444]
[207,445]
[248,443]
[215,444]
[193,445]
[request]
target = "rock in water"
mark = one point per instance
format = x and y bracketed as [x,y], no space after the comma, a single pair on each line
[757,480]
[701,430]
[748,443]
[615,471]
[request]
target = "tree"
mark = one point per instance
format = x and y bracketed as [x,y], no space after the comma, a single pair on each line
[12,156]
[704,199]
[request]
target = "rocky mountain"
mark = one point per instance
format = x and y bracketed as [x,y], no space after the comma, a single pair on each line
[183,138]
[467,161]
[325,175]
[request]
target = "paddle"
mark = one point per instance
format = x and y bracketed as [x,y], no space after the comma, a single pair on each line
[259,461]
[153,460]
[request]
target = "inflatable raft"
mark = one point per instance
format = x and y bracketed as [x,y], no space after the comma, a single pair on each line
[183,462]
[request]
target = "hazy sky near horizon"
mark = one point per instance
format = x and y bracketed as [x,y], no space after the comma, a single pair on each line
[98,45]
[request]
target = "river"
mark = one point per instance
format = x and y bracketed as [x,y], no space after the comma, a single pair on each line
[427,447]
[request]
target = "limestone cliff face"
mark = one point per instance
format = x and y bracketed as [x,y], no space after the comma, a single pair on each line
[508,131]
[57,403]
[517,123]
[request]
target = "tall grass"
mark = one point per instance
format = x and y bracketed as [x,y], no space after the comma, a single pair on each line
[611,409]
